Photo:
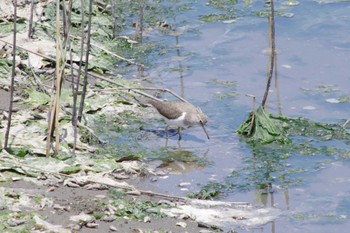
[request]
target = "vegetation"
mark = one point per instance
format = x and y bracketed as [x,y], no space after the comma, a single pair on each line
[84,91]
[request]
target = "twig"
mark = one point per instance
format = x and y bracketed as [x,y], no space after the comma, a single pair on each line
[7,133]
[37,82]
[30,27]
[277,88]
[53,104]
[58,71]
[116,55]
[135,89]
[75,88]
[346,122]
[139,22]
[108,52]
[272,53]
[88,45]
[28,50]
[114,17]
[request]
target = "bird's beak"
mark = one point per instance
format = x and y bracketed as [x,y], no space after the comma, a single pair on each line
[205,130]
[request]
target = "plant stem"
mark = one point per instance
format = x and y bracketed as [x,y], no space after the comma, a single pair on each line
[7,133]
[272,53]
[88,45]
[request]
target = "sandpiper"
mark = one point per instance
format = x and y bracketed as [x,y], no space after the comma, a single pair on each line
[180,114]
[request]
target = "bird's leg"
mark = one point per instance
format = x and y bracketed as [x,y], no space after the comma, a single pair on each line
[166,132]
[178,131]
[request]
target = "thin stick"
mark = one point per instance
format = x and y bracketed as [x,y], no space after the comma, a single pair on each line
[277,87]
[7,133]
[272,53]
[76,88]
[114,16]
[139,21]
[115,55]
[346,122]
[134,89]
[88,45]
[28,50]
[58,74]
[30,27]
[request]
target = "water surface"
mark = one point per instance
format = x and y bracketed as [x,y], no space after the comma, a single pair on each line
[214,65]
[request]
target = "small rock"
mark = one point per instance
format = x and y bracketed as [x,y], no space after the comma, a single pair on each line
[16,222]
[100,196]
[181,224]
[51,189]
[74,227]
[16,179]
[161,173]
[111,209]
[113,228]
[108,218]
[184,216]
[121,176]
[134,192]
[42,177]
[70,184]
[59,207]
[82,218]
[147,219]
[95,187]
[136,230]
[166,202]
[91,225]
[154,179]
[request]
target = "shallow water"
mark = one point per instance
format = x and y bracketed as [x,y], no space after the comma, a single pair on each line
[214,65]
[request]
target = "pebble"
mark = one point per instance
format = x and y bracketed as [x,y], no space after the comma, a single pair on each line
[147,219]
[181,224]
[91,225]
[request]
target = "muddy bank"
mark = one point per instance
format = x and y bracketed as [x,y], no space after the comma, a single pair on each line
[63,203]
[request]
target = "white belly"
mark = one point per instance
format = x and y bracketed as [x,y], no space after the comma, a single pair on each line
[179,122]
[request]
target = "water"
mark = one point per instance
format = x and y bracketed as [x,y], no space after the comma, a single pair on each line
[214,65]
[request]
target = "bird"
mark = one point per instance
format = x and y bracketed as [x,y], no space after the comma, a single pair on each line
[180,114]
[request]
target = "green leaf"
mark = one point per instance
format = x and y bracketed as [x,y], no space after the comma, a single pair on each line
[71,170]
[19,152]
[260,127]
[36,97]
